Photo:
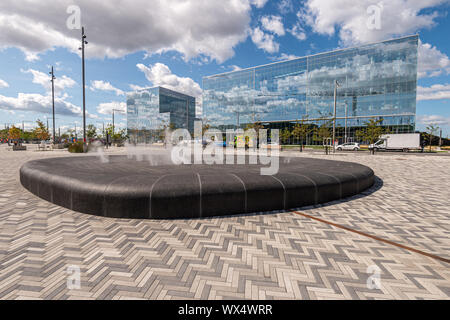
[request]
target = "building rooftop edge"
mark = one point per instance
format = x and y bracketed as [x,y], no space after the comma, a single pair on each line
[160,87]
[311,55]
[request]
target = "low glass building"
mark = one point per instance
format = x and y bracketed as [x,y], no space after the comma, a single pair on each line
[375,81]
[150,111]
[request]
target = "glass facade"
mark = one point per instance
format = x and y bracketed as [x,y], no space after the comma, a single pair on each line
[375,81]
[150,111]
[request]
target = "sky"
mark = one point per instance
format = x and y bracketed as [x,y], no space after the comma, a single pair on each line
[175,43]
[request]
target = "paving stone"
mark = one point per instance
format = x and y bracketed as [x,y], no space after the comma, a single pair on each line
[278,255]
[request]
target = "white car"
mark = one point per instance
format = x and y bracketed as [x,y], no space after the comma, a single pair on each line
[348,146]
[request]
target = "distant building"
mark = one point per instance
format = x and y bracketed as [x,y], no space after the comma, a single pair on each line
[150,111]
[376,81]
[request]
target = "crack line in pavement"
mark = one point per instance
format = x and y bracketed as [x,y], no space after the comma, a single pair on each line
[430,255]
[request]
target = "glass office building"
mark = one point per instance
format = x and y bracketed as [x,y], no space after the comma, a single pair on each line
[150,111]
[375,81]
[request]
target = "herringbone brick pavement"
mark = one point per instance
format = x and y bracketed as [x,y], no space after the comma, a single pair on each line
[262,256]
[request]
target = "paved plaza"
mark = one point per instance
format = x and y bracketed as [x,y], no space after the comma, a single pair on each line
[398,232]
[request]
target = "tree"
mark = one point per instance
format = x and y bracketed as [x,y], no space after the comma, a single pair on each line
[301,131]
[323,132]
[3,134]
[372,132]
[41,132]
[255,126]
[205,127]
[14,133]
[65,136]
[91,132]
[285,135]
[118,136]
[27,135]
[431,129]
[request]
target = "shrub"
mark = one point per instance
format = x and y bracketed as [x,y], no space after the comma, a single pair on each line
[76,147]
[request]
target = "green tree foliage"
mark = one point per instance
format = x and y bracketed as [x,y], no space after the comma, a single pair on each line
[91,132]
[285,135]
[323,132]
[118,136]
[301,131]
[431,130]
[4,134]
[255,126]
[28,135]
[372,132]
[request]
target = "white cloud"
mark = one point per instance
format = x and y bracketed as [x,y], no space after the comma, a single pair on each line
[160,75]
[26,125]
[264,41]
[135,87]
[235,68]
[105,86]
[434,120]
[435,92]
[3,84]
[349,18]
[43,79]
[41,104]
[298,32]
[273,24]
[432,62]
[285,6]
[118,27]
[258,3]
[284,56]
[107,108]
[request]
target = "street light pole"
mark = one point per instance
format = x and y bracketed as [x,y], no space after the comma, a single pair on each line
[120,111]
[23,124]
[187,114]
[346,107]
[53,102]
[336,84]
[83,42]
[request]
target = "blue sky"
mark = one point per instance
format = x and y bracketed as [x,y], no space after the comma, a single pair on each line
[141,43]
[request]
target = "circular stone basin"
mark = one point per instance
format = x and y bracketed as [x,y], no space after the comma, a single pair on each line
[126,188]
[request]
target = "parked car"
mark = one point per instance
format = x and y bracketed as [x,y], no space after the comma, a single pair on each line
[348,146]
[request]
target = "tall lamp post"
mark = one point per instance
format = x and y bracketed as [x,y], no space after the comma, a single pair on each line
[76,135]
[83,43]
[336,85]
[52,73]
[23,126]
[346,107]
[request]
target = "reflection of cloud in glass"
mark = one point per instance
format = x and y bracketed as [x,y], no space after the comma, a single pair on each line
[375,79]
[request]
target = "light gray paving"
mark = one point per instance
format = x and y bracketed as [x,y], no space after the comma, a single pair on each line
[262,256]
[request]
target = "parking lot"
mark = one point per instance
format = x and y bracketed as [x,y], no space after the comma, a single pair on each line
[391,242]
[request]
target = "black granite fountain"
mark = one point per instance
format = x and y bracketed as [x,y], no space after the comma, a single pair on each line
[127,188]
